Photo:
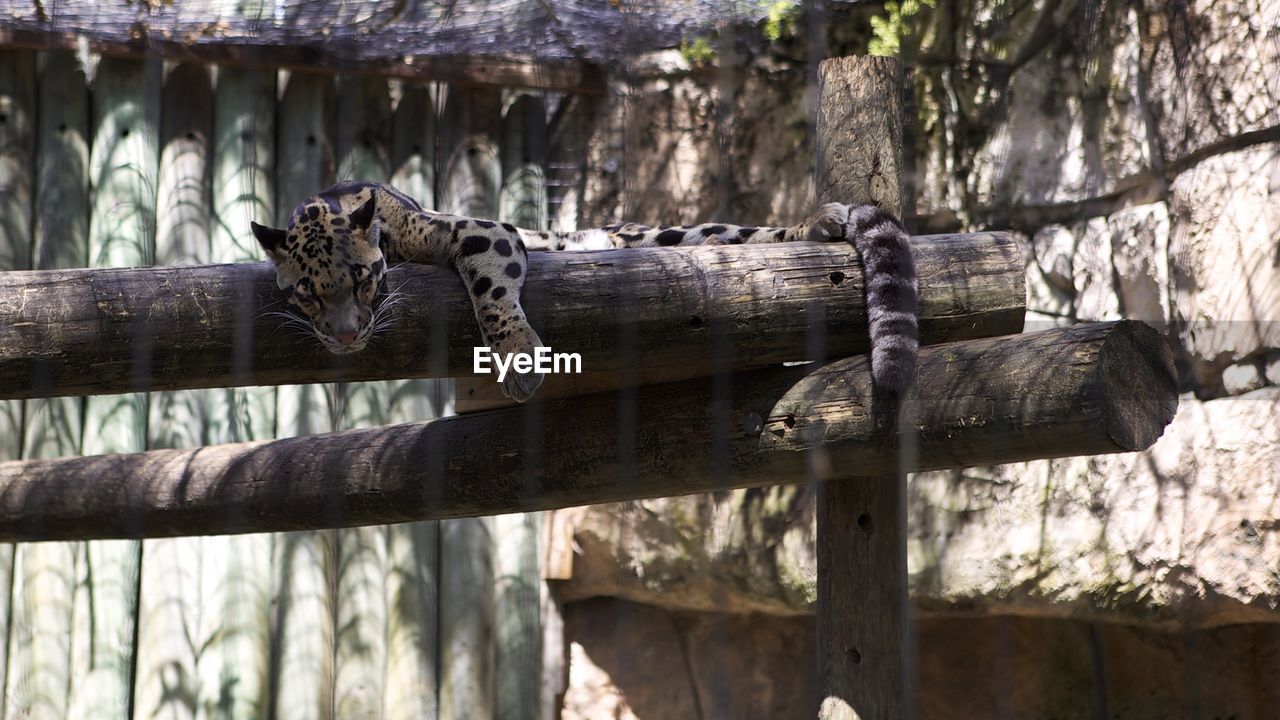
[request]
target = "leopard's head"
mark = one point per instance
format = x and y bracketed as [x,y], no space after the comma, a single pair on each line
[331,268]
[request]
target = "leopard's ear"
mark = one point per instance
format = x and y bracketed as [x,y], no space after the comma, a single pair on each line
[271,239]
[362,216]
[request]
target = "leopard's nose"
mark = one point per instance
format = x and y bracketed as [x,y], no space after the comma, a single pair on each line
[345,338]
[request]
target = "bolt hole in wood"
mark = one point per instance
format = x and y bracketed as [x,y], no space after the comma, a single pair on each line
[191,136]
[62,127]
[864,522]
[124,133]
[695,322]
[837,277]
[854,655]
[311,139]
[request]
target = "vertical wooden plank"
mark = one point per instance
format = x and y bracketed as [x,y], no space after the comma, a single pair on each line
[122,175]
[363,146]
[517,611]
[305,562]
[412,548]
[469,185]
[17,175]
[235,630]
[44,573]
[862,606]
[166,684]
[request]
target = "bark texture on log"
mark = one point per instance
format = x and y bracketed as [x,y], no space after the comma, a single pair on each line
[1086,389]
[74,332]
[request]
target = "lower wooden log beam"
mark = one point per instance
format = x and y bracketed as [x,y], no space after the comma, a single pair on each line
[87,332]
[1082,390]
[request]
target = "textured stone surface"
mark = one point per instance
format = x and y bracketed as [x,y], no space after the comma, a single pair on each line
[737,551]
[1140,258]
[1137,146]
[1242,377]
[633,662]
[1069,126]
[1224,243]
[680,149]
[1272,367]
[1183,534]
[1213,71]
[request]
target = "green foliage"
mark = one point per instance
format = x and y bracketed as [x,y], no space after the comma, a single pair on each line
[889,29]
[780,19]
[697,52]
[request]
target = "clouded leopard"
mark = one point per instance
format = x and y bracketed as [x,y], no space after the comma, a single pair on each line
[332,258]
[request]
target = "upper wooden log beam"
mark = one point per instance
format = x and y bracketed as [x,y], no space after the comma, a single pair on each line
[558,74]
[1081,390]
[684,312]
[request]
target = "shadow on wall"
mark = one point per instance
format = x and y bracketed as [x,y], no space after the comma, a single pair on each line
[634,661]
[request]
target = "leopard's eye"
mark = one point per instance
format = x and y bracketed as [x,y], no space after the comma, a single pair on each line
[366,287]
[305,302]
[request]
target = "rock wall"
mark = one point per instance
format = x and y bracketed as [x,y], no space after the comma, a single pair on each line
[630,661]
[1136,147]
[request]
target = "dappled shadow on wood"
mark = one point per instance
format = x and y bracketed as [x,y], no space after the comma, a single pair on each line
[1087,389]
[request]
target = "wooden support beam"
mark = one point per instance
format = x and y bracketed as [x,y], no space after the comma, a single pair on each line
[85,332]
[512,70]
[1081,390]
[863,617]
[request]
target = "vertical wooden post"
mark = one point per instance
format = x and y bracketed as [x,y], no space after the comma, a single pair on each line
[17,182]
[469,183]
[39,664]
[413,548]
[123,171]
[235,623]
[167,678]
[862,606]
[305,562]
[363,152]
[517,622]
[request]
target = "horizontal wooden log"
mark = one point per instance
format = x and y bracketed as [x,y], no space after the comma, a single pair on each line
[678,310]
[1081,390]
[691,310]
[510,70]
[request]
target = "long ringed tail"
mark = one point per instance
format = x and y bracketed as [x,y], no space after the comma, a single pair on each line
[890,274]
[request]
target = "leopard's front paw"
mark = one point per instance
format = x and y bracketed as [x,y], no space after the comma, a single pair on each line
[519,344]
[829,223]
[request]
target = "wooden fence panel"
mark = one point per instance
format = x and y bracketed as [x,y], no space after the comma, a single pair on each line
[412,561]
[306,565]
[123,164]
[297,625]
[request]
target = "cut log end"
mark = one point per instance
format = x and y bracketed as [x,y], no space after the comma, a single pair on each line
[1138,385]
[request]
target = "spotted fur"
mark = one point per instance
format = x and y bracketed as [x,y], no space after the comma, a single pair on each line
[332,258]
